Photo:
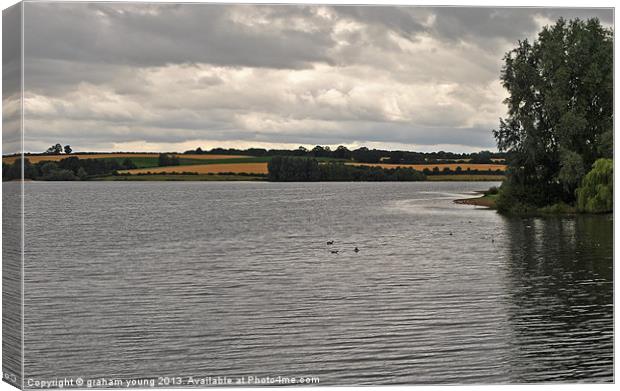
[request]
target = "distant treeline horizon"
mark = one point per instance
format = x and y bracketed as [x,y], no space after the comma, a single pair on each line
[362,154]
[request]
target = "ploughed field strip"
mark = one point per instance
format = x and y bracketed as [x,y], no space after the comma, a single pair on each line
[236,168]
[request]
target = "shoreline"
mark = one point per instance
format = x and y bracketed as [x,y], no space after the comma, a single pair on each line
[486,201]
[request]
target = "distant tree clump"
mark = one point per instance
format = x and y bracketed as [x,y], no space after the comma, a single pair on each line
[54,150]
[560,113]
[57,149]
[595,195]
[293,169]
[167,159]
[304,169]
[482,157]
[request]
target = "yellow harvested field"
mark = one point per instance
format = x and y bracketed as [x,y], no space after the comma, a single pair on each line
[54,158]
[237,168]
[452,166]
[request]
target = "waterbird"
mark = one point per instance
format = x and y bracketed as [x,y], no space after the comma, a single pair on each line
[356,250]
[330,242]
[334,251]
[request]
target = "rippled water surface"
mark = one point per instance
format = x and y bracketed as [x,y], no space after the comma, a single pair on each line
[227,278]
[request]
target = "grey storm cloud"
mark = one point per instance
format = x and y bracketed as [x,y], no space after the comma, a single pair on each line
[152,35]
[105,76]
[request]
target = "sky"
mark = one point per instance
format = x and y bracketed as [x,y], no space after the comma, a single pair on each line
[171,77]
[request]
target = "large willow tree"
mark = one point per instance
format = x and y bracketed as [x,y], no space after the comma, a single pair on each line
[560,112]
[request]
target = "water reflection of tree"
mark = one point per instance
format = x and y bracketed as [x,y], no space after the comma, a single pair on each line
[560,293]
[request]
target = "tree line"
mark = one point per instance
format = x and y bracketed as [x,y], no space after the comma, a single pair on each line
[308,169]
[69,169]
[362,155]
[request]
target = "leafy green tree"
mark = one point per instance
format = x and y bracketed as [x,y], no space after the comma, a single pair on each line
[82,174]
[365,155]
[14,171]
[571,169]
[342,152]
[595,195]
[68,149]
[128,164]
[60,175]
[72,163]
[482,157]
[48,167]
[560,110]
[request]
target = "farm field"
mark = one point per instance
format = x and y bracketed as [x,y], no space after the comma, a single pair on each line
[261,168]
[236,168]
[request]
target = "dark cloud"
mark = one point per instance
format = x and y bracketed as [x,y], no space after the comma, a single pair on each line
[406,21]
[484,23]
[11,51]
[153,35]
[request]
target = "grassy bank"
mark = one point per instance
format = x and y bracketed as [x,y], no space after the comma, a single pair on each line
[487,201]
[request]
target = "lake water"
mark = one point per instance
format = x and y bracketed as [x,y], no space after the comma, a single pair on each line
[148,279]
